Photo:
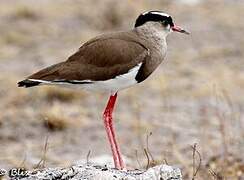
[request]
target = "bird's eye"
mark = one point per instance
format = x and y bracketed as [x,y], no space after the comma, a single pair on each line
[164,23]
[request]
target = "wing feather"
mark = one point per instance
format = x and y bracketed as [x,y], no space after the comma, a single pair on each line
[99,59]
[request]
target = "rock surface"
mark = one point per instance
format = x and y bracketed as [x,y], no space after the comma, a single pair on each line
[97,172]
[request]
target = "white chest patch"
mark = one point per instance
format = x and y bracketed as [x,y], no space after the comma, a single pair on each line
[113,85]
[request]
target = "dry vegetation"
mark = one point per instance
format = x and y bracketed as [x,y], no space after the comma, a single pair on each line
[196,96]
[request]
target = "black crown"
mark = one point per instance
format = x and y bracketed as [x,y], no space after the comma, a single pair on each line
[156,16]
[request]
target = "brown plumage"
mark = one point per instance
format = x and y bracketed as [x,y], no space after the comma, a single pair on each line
[99,59]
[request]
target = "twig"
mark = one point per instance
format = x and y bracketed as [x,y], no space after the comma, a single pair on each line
[222,117]
[212,173]
[165,161]
[195,170]
[148,158]
[22,164]
[193,161]
[137,159]
[42,162]
[215,175]
[87,156]
[148,150]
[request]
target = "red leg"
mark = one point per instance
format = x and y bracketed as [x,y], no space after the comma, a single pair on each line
[108,122]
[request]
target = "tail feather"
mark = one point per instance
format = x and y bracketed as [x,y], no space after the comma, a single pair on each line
[28,83]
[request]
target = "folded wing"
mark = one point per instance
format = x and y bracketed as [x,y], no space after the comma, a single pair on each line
[97,60]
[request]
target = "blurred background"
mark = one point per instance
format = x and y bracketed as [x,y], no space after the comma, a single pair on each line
[196,96]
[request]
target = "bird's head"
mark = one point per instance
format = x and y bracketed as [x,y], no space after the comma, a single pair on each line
[161,20]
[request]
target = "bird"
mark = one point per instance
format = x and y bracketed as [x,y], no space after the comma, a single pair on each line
[112,62]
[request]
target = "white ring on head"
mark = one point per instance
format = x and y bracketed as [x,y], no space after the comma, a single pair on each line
[156,12]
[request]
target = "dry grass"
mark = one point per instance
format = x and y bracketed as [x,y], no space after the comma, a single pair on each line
[54,118]
[230,166]
[60,94]
[54,122]
[24,12]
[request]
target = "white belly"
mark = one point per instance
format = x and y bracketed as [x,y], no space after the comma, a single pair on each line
[112,85]
[118,83]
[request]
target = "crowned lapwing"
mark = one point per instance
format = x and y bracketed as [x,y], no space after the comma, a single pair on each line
[112,62]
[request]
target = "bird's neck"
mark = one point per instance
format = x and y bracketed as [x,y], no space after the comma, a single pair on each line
[153,34]
[156,38]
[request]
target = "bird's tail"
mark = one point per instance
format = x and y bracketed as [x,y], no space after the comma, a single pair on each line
[28,83]
[44,76]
